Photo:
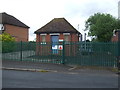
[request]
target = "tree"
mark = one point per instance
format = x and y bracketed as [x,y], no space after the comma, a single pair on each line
[5,37]
[8,44]
[101,26]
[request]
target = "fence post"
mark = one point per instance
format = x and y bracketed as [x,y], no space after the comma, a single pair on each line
[63,53]
[21,51]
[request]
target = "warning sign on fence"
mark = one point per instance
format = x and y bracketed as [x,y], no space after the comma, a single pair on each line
[54,47]
[60,47]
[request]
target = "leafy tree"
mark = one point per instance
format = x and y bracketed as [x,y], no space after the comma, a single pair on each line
[5,37]
[8,44]
[101,26]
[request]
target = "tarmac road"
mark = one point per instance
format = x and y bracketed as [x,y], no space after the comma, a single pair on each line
[27,79]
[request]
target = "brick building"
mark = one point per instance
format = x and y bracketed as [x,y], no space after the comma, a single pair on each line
[55,32]
[116,36]
[59,29]
[11,25]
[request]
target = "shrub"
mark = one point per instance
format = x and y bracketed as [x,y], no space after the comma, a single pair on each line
[8,42]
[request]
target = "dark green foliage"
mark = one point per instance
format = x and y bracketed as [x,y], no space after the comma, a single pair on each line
[8,47]
[28,45]
[101,26]
[8,42]
[6,38]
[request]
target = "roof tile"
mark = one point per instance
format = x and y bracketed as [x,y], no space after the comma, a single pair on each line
[57,25]
[11,20]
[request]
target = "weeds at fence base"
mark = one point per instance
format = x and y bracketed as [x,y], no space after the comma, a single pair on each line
[43,71]
[46,59]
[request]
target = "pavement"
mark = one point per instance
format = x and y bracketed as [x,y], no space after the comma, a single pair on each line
[47,67]
[33,66]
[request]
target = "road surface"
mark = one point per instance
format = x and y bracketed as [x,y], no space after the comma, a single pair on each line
[27,79]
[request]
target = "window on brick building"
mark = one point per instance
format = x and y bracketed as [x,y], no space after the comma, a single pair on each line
[67,39]
[43,39]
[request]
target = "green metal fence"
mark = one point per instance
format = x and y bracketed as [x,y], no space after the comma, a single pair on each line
[78,53]
[94,54]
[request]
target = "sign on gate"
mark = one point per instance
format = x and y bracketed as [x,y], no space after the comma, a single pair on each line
[60,47]
[54,47]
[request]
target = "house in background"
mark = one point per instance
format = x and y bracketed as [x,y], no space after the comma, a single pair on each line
[55,32]
[11,25]
[116,36]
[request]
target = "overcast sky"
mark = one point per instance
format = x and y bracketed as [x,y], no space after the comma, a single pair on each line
[37,13]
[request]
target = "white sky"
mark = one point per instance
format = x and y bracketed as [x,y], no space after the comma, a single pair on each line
[37,13]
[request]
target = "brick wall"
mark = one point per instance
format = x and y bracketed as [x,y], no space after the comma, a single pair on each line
[20,33]
[61,36]
[116,38]
[73,37]
[46,50]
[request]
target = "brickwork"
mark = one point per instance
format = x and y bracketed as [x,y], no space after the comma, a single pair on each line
[48,38]
[61,36]
[45,50]
[37,38]
[20,33]
[72,37]
[116,38]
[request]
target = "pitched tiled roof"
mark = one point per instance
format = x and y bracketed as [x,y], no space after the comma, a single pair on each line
[11,20]
[57,25]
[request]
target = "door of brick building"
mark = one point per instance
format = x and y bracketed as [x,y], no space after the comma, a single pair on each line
[55,39]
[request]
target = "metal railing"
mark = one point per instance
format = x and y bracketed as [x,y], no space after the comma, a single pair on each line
[78,53]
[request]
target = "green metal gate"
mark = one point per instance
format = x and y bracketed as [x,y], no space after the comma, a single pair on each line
[31,51]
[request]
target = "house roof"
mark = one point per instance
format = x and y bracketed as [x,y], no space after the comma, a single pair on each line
[11,20]
[57,25]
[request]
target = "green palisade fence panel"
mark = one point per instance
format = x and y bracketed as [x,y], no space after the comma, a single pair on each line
[77,53]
